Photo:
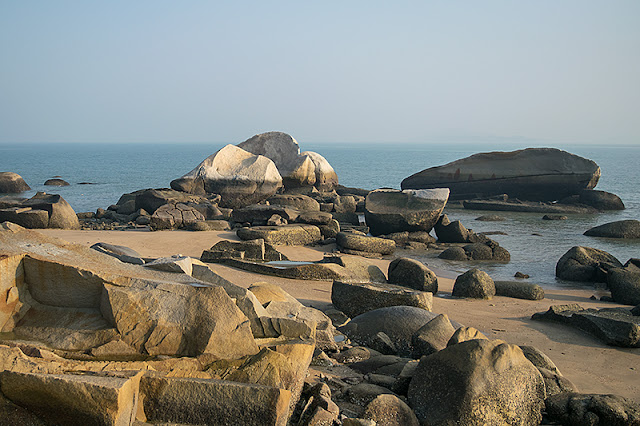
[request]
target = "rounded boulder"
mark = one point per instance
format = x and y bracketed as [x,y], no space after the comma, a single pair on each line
[475,284]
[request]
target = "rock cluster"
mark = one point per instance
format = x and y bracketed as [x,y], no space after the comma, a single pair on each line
[40,211]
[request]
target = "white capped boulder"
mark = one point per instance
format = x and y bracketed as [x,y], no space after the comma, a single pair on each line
[240,177]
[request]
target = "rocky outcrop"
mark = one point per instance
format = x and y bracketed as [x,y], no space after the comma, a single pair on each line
[12,183]
[357,298]
[625,229]
[586,264]
[475,284]
[174,216]
[353,243]
[489,250]
[289,235]
[41,211]
[539,174]
[477,382]
[411,273]
[240,177]
[388,210]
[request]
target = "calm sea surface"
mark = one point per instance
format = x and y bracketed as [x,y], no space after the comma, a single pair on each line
[535,245]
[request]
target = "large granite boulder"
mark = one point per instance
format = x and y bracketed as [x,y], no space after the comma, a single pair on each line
[539,174]
[357,298]
[240,177]
[412,273]
[624,284]
[388,210]
[475,284]
[477,382]
[626,229]
[12,183]
[297,170]
[42,211]
[586,264]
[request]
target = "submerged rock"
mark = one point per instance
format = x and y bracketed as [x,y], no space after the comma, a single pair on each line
[540,174]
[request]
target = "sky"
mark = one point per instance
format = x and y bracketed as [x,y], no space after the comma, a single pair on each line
[332,71]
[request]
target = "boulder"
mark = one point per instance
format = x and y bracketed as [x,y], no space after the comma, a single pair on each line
[397,322]
[176,263]
[489,250]
[414,274]
[477,382]
[326,177]
[259,214]
[298,202]
[451,232]
[12,183]
[601,200]
[491,218]
[585,264]
[256,250]
[268,292]
[150,200]
[539,174]
[554,217]
[624,284]
[592,409]
[387,409]
[388,210]
[174,216]
[474,283]
[319,408]
[288,235]
[60,213]
[357,298]
[626,229]
[433,336]
[26,217]
[463,334]
[519,290]
[351,242]
[56,182]
[240,177]
[122,253]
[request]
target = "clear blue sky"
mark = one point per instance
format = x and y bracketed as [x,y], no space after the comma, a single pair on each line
[355,71]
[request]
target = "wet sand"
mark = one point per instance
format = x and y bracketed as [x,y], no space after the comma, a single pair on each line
[590,364]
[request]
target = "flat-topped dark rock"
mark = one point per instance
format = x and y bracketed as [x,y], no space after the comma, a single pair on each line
[540,174]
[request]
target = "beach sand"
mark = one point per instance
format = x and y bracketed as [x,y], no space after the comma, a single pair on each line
[590,364]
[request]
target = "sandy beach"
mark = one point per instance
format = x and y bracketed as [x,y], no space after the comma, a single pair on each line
[590,364]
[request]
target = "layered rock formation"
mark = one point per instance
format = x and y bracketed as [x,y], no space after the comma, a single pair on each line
[539,174]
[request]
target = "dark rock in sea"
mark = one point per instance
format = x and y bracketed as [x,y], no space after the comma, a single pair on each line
[451,232]
[601,200]
[586,264]
[298,202]
[12,183]
[527,207]
[56,182]
[414,274]
[592,409]
[521,275]
[446,385]
[554,217]
[624,284]
[519,290]
[357,298]
[475,284]
[539,174]
[388,211]
[397,322]
[614,326]
[626,229]
[490,218]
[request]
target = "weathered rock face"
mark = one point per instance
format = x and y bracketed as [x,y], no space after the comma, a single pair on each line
[601,200]
[411,273]
[627,229]
[624,284]
[519,290]
[477,382]
[12,183]
[42,211]
[390,410]
[297,170]
[433,336]
[56,182]
[388,210]
[357,298]
[586,264]
[298,202]
[174,216]
[289,235]
[240,177]
[474,283]
[357,244]
[584,409]
[538,174]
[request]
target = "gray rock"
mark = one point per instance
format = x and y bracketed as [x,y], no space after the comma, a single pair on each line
[575,409]
[122,253]
[411,273]
[12,183]
[362,243]
[150,200]
[451,232]
[491,218]
[454,253]
[601,200]
[585,264]
[540,174]
[489,250]
[56,182]
[26,217]
[362,394]
[256,250]
[433,336]
[624,284]
[174,216]
[475,284]
[290,235]
[464,334]
[626,229]
[260,213]
[357,298]
[554,217]
[390,410]
[388,211]
[477,382]
[555,383]
[298,202]
[519,290]
[61,214]
[397,322]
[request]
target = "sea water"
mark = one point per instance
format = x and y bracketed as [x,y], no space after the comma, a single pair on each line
[109,170]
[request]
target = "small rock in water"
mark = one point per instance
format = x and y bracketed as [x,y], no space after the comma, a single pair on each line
[56,182]
[490,218]
[554,217]
[521,275]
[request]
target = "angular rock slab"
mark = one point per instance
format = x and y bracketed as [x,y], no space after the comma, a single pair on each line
[357,298]
[288,235]
[354,244]
[240,177]
[388,210]
[174,319]
[539,174]
[477,382]
[74,399]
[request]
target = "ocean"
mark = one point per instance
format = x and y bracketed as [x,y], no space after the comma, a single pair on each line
[535,245]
